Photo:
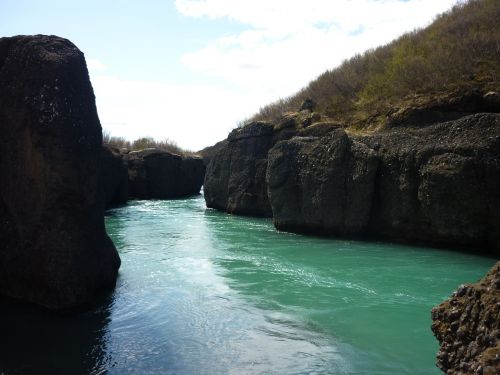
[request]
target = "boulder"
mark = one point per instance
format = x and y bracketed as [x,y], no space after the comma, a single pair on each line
[55,251]
[157,174]
[467,326]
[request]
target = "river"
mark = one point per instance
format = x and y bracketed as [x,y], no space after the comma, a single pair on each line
[204,292]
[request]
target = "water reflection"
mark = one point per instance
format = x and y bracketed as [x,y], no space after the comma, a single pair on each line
[202,292]
[40,342]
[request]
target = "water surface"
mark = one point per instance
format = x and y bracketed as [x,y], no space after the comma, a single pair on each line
[203,292]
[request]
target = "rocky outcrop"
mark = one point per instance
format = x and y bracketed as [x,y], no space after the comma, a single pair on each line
[322,185]
[114,177]
[208,152]
[55,251]
[438,185]
[157,174]
[467,326]
[235,178]
[235,181]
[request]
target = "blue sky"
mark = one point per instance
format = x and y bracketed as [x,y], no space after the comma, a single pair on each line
[189,70]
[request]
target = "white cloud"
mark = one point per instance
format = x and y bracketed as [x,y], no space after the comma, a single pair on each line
[94,65]
[288,43]
[195,116]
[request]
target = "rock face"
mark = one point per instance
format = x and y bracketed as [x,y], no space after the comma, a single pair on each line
[322,185]
[438,184]
[156,174]
[114,177]
[235,178]
[55,251]
[467,326]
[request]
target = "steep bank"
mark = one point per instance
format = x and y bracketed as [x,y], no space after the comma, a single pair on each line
[438,185]
[148,174]
[467,326]
[157,174]
[393,144]
[114,177]
[55,251]
[235,180]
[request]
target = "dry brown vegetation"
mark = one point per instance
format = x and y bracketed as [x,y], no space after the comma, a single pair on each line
[458,52]
[142,143]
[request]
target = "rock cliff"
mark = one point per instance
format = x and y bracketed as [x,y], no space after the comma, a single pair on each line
[467,326]
[437,184]
[235,178]
[55,251]
[114,177]
[157,174]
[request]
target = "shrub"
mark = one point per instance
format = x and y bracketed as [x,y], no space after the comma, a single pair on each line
[459,50]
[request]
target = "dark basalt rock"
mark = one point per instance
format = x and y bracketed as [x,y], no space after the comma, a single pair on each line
[438,185]
[114,177]
[54,248]
[235,180]
[467,326]
[322,185]
[157,174]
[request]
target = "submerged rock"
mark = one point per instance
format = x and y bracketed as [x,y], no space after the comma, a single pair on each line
[157,174]
[54,247]
[467,326]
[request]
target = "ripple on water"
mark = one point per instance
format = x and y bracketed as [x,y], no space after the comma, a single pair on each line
[203,292]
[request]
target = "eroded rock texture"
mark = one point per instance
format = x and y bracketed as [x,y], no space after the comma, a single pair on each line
[467,326]
[54,248]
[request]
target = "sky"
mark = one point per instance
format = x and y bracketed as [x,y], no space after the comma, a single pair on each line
[191,70]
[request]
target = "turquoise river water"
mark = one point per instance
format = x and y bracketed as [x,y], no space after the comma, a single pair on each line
[203,292]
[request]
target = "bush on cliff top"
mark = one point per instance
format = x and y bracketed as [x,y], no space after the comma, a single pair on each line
[459,51]
[142,143]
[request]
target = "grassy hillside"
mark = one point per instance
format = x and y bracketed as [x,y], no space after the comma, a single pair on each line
[458,53]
